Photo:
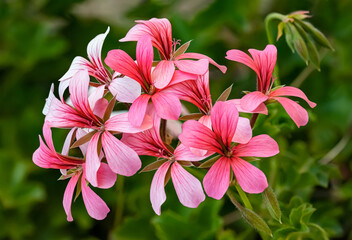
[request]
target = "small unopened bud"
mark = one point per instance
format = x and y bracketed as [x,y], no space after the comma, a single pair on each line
[272,204]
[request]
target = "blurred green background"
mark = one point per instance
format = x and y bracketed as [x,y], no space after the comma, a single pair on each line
[40,38]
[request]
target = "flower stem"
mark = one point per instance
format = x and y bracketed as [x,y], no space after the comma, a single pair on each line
[244,197]
[254,119]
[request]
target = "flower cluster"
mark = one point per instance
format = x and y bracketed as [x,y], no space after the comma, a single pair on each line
[110,142]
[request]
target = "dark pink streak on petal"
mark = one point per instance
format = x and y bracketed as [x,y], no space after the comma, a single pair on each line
[217,180]
[95,206]
[157,191]
[144,55]
[138,109]
[188,188]
[196,135]
[250,178]
[298,114]
[121,158]
[67,201]
[259,146]
[252,101]
[292,91]
[224,118]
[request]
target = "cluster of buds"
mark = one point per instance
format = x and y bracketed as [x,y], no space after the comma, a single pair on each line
[301,36]
[111,142]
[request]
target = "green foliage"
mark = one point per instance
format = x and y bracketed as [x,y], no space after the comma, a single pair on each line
[38,42]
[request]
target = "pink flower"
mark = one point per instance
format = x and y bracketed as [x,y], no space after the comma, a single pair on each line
[188,188]
[93,113]
[125,89]
[161,35]
[75,168]
[224,121]
[164,100]
[263,63]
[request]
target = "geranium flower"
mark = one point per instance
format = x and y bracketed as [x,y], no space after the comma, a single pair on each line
[263,63]
[125,89]
[93,113]
[75,169]
[160,32]
[164,100]
[224,120]
[188,188]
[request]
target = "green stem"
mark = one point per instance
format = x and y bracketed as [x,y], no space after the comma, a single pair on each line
[244,197]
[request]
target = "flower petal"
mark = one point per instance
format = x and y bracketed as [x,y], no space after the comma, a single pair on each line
[95,206]
[196,135]
[259,146]
[201,56]
[68,142]
[243,131]
[252,101]
[67,201]
[163,74]
[157,191]
[260,109]
[292,91]
[167,106]
[183,153]
[97,94]
[298,114]
[121,158]
[144,56]
[188,188]
[242,57]
[217,180]
[92,160]
[138,109]
[250,178]
[125,89]
[94,49]
[224,118]
[120,123]
[199,67]
[106,178]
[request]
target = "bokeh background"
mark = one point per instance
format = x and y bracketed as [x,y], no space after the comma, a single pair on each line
[311,176]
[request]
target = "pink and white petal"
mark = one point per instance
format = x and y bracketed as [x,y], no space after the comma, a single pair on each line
[120,123]
[217,180]
[68,141]
[199,67]
[96,94]
[157,191]
[125,89]
[250,178]
[242,57]
[292,91]
[95,206]
[196,135]
[121,62]
[260,109]
[188,188]
[92,160]
[201,56]
[48,100]
[144,56]
[79,134]
[224,118]
[106,178]
[121,158]
[94,49]
[79,92]
[48,135]
[259,146]
[78,63]
[100,107]
[243,131]
[67,201]
[138,109]
[163,73]
[135,33]
[167,106]
[297,113]
[183,153]
[252,101]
